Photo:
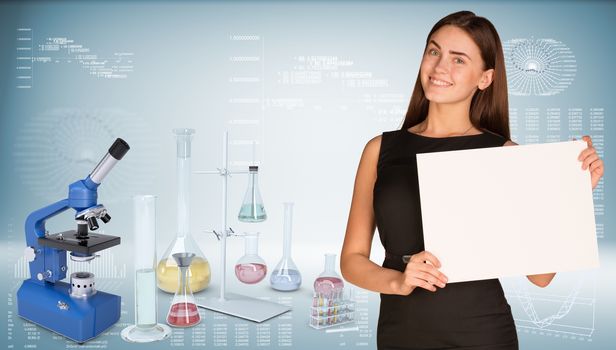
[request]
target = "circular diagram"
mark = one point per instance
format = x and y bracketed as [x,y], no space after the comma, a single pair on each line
[539,67]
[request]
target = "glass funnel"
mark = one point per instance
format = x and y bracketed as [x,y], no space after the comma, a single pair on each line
[250,268]
[183,311]
[329,281]
[252,209]
[167,270]
[145,329]
[286,276]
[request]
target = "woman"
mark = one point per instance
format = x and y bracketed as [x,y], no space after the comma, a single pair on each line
[459,102]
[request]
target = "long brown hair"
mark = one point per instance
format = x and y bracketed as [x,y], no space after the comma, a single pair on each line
[489,107]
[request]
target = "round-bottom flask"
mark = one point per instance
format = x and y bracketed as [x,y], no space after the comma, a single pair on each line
[183,311]
[250,268]
[329,282]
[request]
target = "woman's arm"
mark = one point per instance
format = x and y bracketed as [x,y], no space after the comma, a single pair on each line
[355,264]
[355,261]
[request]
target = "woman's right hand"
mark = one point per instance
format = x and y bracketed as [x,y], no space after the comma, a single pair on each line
[422,271]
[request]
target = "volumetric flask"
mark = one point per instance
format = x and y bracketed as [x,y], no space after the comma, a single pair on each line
[167,270]
[183,311]
[329,281]
[252,209]
[145,329]
[286,276]
[250,268]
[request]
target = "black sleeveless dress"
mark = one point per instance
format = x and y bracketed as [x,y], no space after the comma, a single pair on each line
[464,315]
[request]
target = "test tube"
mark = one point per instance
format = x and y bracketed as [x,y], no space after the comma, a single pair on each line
[145,329]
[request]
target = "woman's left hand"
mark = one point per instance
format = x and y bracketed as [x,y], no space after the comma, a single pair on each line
[590,160]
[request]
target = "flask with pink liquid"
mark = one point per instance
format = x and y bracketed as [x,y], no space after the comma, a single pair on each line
[329,281]
[250,268]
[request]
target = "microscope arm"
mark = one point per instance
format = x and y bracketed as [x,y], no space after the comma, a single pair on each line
[46,264]
[35,223]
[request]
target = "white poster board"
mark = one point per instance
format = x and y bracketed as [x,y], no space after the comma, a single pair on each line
[507,211]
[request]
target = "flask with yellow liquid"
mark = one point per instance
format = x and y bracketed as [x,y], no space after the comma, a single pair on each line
[167,269]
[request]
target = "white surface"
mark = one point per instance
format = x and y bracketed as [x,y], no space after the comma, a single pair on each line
[248,308]
[507,211]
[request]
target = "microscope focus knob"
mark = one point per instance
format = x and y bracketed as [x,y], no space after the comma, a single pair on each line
[29,254]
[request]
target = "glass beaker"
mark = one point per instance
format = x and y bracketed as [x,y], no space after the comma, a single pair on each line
[183,311]
[286,276]
[250,268]
[145,329]
[167,270]
[252,209]
[329,281]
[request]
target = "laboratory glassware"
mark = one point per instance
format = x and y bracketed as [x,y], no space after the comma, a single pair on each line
[167,270]
[250,268]
[329,281]
[145,329]
[252,209]
[183,311]
[286,276]
[330,310]
[237,305]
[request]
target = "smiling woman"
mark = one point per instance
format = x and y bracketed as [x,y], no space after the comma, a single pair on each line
[459,102]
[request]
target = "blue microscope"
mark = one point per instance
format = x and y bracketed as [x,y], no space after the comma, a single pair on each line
[75,310]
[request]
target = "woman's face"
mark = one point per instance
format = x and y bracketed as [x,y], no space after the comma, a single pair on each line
[452,68]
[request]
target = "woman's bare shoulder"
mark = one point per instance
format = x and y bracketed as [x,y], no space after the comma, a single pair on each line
[510,143]
[374,143]
[372,150]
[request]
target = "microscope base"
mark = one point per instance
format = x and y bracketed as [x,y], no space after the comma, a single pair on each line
[79,319]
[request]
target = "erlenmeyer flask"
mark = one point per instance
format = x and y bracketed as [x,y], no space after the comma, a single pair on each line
[286,276]
[250,268]
[329,281]
[167,270]
[183,311]
[252,209]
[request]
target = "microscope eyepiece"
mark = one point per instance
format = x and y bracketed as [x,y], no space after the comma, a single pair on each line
[119,148]
[115,153]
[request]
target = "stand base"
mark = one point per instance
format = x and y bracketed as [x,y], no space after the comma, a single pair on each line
[136,334]
[248,308]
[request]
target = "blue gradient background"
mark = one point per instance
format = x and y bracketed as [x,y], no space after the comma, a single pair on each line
[308,154]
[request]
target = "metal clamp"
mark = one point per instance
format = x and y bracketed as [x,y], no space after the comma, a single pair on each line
[224,172]
[229,232]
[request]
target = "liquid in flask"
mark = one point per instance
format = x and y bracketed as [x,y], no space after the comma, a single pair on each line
[183,311]
[167,269]
[250,268]
[329,282]
[286,277]
[252,209]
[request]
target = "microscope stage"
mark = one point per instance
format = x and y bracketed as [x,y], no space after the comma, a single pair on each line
[68,241]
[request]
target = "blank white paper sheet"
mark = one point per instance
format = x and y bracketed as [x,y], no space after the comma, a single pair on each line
[508,211]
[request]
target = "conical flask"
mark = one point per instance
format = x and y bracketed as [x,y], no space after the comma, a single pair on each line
[183,311]
[146,329]
[167,270]
[252,209]
[250,268]
[286,276]
[329,281]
